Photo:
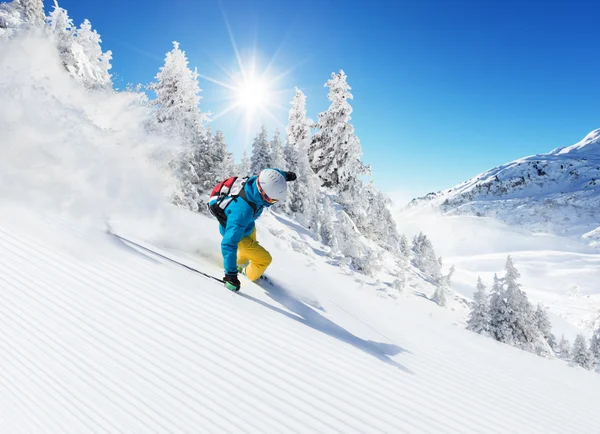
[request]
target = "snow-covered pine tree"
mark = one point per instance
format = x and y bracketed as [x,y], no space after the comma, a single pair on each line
[448,277]
[177,99]
[404,247]
[499,328]
[335,151]
[564,348]
[595,348]
[277,156]
[224,159]
[479,317]
[544,326]
[350,244]
[63,33]
[301,200]
[97,74]
[425,259]
[298,128]
[327,229]
[261,152]
[31,12]
[370,211]
[207,165]
[581,355]
[518,320]
[10,18]
[439,296]
[243,169]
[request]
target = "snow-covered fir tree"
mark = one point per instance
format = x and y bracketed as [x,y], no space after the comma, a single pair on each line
[512,318]
[439,296]
[335,151]
[10,19]
[544,326]
[243,169]
[404,246]
[298,127]
[206,164]
[261,152]
[499,329]
[595,348]
[98,62]
[564,348]
[479,317]
[225,164]
[353,247]
[327,229]
[370,211]
[177,98]
[448,277]
[33,12]
[63,33]
[277,156]
[80,50]
[424,257]
[21,14]
[581,355]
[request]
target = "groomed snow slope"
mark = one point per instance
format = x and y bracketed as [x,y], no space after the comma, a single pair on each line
[97,336]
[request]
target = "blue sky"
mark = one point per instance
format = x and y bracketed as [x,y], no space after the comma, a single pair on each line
[442,89]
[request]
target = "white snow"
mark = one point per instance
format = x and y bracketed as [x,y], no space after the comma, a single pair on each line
[98,336]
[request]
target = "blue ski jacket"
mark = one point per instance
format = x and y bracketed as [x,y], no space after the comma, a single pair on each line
[240,222]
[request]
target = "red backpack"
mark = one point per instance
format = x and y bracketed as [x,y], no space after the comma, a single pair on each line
[223,194]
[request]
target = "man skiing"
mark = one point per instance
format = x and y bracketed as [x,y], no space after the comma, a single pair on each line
[237,203]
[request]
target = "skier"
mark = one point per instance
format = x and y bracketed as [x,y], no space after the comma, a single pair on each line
[237,203]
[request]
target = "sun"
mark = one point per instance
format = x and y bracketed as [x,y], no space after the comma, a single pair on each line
[252,94]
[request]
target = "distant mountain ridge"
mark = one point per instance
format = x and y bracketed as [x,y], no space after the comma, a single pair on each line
[557,192]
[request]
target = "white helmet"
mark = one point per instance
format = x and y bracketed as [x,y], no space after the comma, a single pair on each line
[272,184]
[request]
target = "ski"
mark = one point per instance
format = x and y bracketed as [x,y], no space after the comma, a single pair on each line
[133,243]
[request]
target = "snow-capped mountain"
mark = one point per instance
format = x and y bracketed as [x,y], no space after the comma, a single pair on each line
[557,192]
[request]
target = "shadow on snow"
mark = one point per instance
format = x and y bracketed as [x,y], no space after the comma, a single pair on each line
[306,315]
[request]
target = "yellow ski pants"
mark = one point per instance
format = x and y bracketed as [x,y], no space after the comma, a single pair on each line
[250,250]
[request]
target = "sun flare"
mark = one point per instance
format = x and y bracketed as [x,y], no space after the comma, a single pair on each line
[252,94]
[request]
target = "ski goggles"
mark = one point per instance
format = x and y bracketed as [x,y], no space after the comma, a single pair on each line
[264,195]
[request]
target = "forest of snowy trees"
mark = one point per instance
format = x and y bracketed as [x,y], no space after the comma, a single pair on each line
[333,197]
[506,315]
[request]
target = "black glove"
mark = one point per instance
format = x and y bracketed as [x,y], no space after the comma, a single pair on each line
[290,176]
[232,282]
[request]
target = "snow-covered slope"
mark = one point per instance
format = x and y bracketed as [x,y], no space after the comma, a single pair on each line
[544,210]
[100,337]
[558,192]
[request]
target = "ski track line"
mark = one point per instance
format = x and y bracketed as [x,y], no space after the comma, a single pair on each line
[75,370]
[456,373]
[291,405]
[347,415]
[26,362]
[461,421]
[132,370]
[34,419]
[282,368]
[301,373]
[159,370]
[159,331]
[548,410]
